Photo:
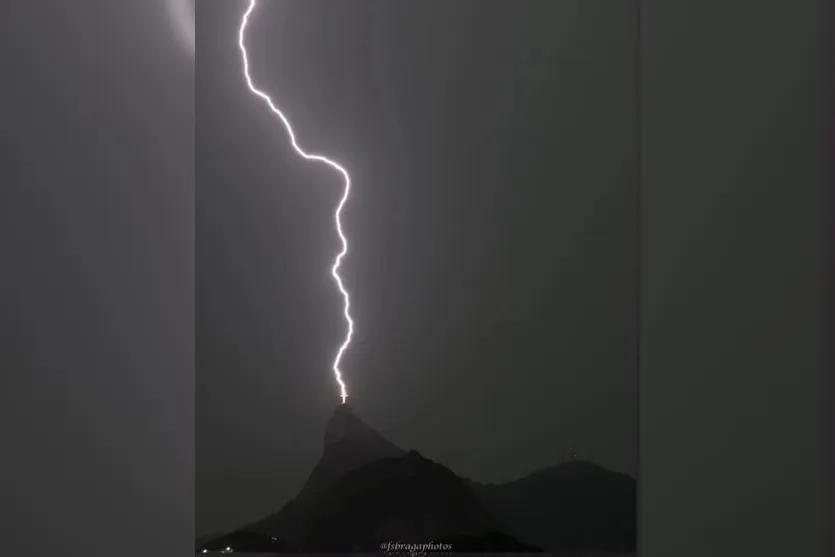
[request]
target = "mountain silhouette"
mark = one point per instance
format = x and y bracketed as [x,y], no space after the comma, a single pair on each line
[574,506]
[348,444]
[407,498]
[365,491]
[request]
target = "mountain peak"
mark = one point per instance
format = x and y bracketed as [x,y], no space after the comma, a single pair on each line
[345,431]
[349,444]
[343,422]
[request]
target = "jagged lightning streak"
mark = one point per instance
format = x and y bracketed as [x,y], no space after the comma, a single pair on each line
[343,393]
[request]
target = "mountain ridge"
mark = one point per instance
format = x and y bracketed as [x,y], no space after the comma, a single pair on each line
[408,498]
[348,443]
[364,487]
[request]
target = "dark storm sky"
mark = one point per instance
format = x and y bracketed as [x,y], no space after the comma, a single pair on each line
[492,225]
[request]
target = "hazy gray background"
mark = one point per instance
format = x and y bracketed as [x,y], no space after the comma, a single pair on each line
[96,279]
[97,399]
[736,260]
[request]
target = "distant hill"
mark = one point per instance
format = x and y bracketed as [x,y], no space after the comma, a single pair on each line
[365,491]
[569,507]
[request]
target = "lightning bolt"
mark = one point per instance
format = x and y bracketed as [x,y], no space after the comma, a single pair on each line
[343,393]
